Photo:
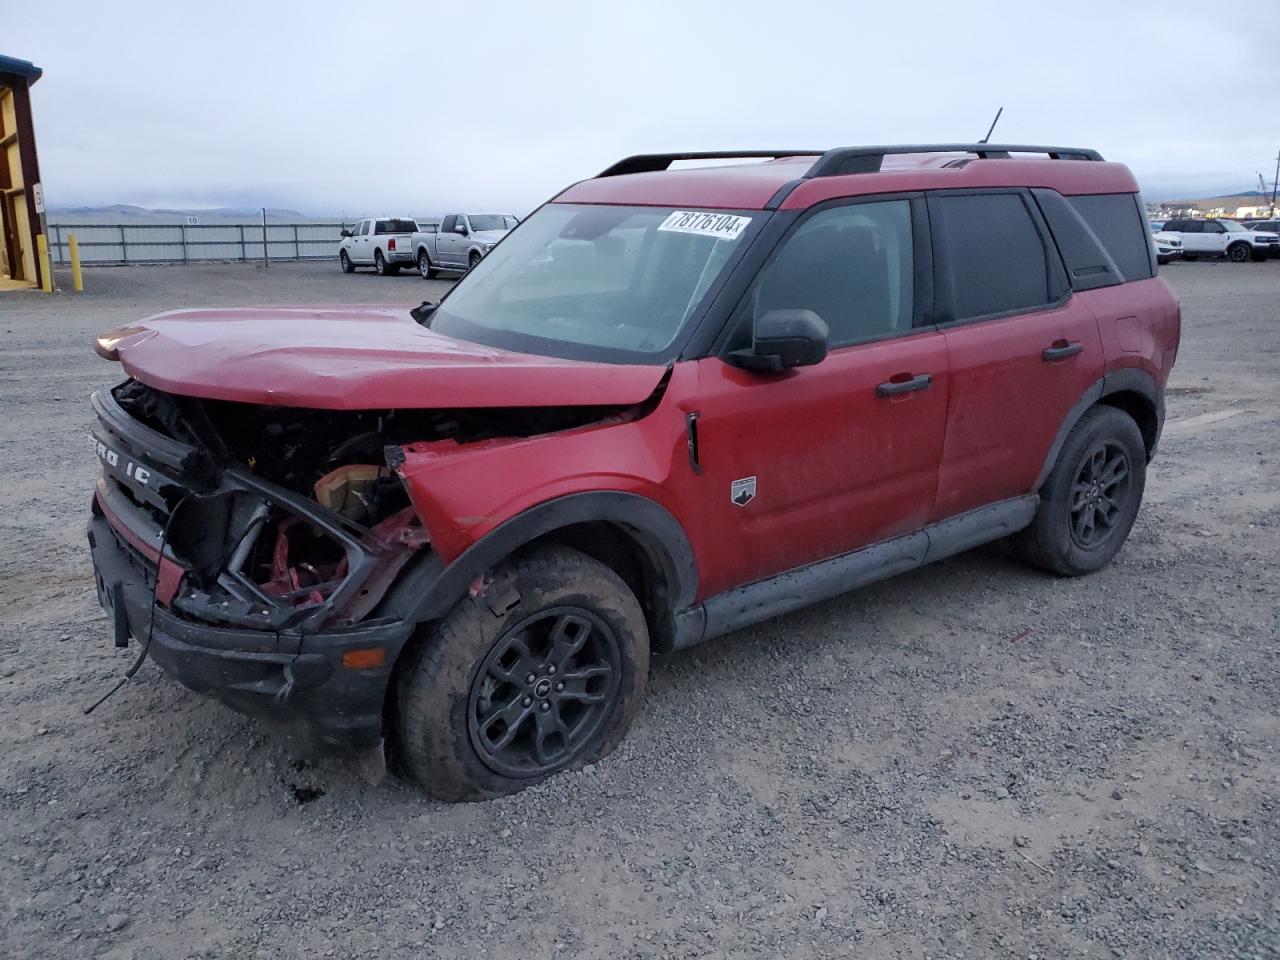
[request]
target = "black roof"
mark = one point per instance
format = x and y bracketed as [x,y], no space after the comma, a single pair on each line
[843,160]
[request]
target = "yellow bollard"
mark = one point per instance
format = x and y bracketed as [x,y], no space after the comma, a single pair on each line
[77,281]
[46,271]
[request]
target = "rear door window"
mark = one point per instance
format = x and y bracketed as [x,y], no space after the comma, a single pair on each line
[1117,222]
[449,223]
[991,255]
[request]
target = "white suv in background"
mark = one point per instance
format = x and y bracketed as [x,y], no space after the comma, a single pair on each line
[1168,246]
[1227,238]
[384,243]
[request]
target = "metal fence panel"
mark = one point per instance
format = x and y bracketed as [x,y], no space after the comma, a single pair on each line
[117,243]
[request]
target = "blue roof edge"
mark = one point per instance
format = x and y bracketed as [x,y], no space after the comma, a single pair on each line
[22,68]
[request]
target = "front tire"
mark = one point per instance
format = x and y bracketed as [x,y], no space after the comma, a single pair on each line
[472,261]
[347,265]
[1239,252]
[541,673]
[1091,498]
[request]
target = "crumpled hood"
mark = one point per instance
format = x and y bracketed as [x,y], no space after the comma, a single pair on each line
[353,358]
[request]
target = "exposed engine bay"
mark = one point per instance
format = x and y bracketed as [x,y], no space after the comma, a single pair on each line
[288,518]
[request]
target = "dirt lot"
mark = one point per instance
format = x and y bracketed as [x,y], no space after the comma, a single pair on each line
[973,760]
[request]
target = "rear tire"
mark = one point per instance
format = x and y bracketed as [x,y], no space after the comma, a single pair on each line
[541,673]
[1090,500]
[380,265]
[1239,252]
[347,265]
[424,266]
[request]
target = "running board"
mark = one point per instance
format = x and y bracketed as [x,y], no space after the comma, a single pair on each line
[802,586]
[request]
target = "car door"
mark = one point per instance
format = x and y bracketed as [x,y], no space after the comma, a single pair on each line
[363,253]
[1021,350]
[449,242]
[1194,239]
[818,461]
[1216,237]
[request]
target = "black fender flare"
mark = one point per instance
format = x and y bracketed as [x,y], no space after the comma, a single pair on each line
[1130,379]
[430,589]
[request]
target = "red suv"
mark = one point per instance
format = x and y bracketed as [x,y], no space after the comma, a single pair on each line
[670,403]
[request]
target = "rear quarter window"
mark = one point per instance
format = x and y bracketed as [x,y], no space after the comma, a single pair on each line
[1117,222]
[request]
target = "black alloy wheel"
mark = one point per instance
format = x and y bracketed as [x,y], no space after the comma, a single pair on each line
[544,692]
[1100,494]
[1091,497]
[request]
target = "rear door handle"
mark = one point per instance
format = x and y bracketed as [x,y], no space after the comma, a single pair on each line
[1062,349]
[904,383]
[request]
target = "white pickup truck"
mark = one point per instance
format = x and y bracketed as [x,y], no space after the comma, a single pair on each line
[460,241]
[384,243]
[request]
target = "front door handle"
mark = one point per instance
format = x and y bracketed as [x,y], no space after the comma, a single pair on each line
[904,383]
[1062,349]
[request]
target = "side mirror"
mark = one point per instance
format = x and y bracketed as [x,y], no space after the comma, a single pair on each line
[345,233]
[461,228]
[784,339]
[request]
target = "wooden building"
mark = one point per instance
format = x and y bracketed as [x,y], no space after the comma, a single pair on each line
[21,198]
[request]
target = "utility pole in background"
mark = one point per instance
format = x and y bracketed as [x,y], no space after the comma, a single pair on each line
[265,263]
[1274,183]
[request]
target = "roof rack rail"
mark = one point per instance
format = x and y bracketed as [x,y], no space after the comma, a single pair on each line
[650,162]
[843,160]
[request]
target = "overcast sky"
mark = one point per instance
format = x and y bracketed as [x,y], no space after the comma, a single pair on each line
[369,107]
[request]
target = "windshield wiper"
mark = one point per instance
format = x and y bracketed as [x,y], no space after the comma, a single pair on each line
[423,312]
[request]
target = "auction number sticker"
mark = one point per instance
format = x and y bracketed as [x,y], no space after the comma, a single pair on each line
[721,226]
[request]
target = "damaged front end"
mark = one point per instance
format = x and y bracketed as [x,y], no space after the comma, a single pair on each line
[254,548]
[263,597]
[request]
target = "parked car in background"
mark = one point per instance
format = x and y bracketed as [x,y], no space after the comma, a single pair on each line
[1168,246]
[384,243]
[677,402]
[1156,226]
[460,241]
[1266,226]
[1221,237]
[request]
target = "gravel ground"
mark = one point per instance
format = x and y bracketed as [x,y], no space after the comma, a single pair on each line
[973,760]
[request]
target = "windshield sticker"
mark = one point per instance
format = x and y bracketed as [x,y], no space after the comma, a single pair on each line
[721,226]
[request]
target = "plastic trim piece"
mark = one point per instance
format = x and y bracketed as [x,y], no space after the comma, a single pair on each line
[798,588]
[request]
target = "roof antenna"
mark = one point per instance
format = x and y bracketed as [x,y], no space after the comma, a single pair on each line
[987,138]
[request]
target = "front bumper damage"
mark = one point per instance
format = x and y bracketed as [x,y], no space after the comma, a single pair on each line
[310,659]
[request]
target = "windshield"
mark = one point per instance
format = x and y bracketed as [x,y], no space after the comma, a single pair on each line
[1232,227]
[490,221]
[595,282]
